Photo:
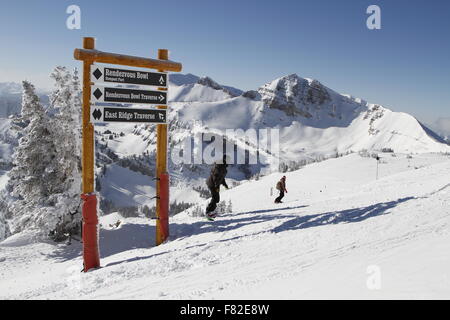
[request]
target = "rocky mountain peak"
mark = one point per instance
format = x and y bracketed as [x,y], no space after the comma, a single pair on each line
[207,81]
[295,95]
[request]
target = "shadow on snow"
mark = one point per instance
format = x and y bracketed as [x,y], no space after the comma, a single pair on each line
[133,236]
[112,241]
[344,216]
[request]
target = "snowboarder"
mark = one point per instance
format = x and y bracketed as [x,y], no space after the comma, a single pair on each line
[281,186]
[215,179]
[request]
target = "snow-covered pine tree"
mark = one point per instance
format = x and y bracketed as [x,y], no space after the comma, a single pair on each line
[29,102]
[31,180]
[221,208]
[76,98]
[65,100]
[229,208]
[45,180]
[18,124]
[77,108]
[66,123]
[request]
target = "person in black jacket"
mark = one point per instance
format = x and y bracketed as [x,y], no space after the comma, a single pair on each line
[215,179]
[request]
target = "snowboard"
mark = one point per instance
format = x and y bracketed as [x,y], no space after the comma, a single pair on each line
[211,216]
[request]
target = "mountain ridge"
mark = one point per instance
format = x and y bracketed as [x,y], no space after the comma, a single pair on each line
[306,103]
[281,103]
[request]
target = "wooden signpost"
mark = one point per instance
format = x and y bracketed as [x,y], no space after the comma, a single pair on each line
[91,95]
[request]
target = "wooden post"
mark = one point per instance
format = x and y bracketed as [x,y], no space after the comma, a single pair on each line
[126,60]
[91,256]
[89,55]
[161,168]
[88,128]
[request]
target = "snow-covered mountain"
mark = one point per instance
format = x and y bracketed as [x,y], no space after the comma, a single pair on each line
[8,88]
[190,79]
[311,117]
[442,127]
[313,121]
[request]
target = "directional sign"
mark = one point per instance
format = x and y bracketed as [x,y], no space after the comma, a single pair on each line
[114,75]
[122,95]
[130,115]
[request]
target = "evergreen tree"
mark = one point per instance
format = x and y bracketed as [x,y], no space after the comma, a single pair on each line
[229,207]
[76,98]
[66,125]
[65,99]
[33,174]
[32,170]
[45,179]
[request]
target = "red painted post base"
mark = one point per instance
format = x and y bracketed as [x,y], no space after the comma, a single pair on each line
[164,205]
[91,257]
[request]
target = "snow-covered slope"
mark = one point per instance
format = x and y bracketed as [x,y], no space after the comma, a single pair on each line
[339,234]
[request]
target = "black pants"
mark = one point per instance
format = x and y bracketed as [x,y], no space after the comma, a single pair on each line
[280,196]
[214,200]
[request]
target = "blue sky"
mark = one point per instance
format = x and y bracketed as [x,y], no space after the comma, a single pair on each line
[404,66]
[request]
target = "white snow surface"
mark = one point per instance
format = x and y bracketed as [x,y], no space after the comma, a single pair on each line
[337,224]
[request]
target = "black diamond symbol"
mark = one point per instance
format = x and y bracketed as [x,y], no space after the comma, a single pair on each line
[97,74]
[97,114]
[98,93]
